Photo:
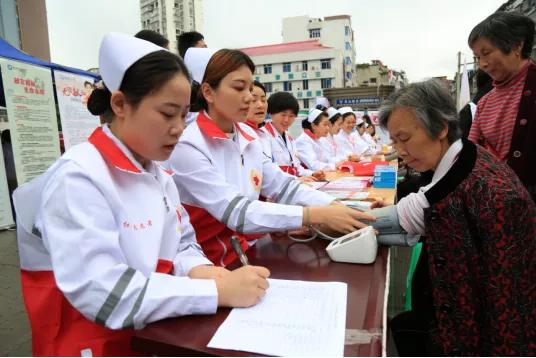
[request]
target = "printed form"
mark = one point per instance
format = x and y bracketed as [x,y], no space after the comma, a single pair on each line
[295,318]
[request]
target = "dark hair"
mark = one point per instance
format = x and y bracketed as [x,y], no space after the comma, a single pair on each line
[334,118]
[260,85]
[88,83]
[281,101]
[321,107]
[307,125]
[366,119]
[220,65]
[505,30]
[187,40]
[152,36]
[432,105]
[348,114]
[145,76]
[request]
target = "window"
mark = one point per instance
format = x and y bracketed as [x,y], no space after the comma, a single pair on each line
[277,77]
[325,64]
[348,46]
[290,76]
[286,67]
[306,104]
[314,33]
[267,69]
[257,78]
[349,75]
[304,75]
[309,93]
[300,94]
[287,86]
[317,74]
[305,84]
[347,31]
[318,93]
[348,60]
[325,83]
[268,87]
[304,66]
[373,80]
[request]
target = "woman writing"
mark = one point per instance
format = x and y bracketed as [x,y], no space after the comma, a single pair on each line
[105,245]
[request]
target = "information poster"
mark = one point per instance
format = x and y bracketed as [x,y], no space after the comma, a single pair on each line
[6,216]
[32,118]
[77,123]
[3,119]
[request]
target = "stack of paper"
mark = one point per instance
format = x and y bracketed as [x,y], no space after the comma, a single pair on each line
[295,318]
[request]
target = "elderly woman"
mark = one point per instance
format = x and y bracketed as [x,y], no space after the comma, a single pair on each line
[477,264]
[505,120]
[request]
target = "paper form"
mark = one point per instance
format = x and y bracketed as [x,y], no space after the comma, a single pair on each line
[295,318]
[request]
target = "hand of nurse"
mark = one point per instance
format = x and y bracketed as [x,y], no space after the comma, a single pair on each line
[243,287]
[208,272]
[339,218]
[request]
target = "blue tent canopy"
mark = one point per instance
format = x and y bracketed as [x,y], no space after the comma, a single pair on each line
[11,52]
[8,51]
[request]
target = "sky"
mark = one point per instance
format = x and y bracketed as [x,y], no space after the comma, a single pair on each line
[421,37]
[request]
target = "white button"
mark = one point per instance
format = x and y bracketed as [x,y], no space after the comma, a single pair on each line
[517,153]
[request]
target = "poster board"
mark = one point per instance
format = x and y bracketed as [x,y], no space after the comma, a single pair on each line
[73,91]
[6,215]
[31,110]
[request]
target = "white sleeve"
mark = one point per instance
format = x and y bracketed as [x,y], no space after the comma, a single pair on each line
[200,184]
[284,188]
[410,211]
[81,235]
[308,155]
[190,252]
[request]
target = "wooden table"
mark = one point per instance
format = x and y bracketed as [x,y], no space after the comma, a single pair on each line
[190,335]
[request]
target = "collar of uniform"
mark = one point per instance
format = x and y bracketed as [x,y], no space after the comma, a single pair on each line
[310,134]
[270,128]
[211,129]
[113,151]
[253,125]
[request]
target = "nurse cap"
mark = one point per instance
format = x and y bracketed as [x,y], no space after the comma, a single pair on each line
[323,101]
[332,112]
[345,110]
[196,60]
[117,53]
[313,114]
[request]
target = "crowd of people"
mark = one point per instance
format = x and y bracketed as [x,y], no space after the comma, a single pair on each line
[136,224]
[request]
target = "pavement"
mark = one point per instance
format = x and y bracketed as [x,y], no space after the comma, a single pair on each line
[15,334]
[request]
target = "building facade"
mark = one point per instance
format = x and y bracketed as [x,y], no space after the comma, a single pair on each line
[376,74]
[525,7]
[304,68]
[332,31]
[23,23]
[170,18]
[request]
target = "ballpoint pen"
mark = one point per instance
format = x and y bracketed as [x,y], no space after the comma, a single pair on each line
[239,252]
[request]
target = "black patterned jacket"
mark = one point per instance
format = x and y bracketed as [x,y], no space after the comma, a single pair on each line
[481,246]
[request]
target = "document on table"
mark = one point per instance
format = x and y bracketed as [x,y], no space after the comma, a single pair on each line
[295,318]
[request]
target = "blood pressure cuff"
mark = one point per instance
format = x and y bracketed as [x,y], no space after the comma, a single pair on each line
[388,226]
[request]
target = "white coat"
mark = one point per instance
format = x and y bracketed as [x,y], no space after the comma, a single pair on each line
[220,180]
[312,154]
[350,144]
[110,237]
[331,149]
[285,153]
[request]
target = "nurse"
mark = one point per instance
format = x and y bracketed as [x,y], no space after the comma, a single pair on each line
[283,109]
[346,140]
[256,118]
[105,245]
[220,177]
[315,126]
[328,143]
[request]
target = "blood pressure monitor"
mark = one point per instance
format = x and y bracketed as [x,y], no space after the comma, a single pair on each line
[358,247]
